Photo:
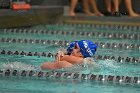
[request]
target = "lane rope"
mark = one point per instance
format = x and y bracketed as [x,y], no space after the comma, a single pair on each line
[112,45]
[68,75]
[97,57]
[113,35]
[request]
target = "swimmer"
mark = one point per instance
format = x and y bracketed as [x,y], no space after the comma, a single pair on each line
[77,51]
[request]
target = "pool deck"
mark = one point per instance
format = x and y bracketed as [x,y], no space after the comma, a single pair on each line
[36,15]
[123,20]
[55,14]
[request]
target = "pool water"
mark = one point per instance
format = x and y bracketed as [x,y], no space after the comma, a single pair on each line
[18,84]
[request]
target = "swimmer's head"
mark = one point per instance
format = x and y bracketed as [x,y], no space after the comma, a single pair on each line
[87,48]
[71,47]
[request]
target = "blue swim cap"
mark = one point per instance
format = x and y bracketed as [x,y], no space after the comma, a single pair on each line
[87,48]
[70,47]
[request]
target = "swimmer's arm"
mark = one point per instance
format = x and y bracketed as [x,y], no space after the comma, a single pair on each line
[72,59]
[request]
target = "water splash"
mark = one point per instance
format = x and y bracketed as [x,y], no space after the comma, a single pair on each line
[86,67]
[18,66]
[109,67]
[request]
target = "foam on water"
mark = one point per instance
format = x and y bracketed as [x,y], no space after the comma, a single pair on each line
[109,67]
[18,66]
[85,67]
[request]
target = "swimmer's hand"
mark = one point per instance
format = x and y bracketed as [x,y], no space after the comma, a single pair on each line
[58,56]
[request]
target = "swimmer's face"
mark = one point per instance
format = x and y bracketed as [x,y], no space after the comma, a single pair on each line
[76,51]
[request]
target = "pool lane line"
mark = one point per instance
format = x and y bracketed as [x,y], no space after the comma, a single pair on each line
[119,59]
[114,45]
[69,75]
[110,35]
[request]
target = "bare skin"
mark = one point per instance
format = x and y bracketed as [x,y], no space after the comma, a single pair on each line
[95,9]
[72,7]
[131,12]
[116,5]
[109,6]
[128,4]
[86,8]
[64,61]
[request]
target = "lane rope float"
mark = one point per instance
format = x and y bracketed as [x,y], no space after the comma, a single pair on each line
[68,75]
[112,35]
[97,57]
[112,45]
